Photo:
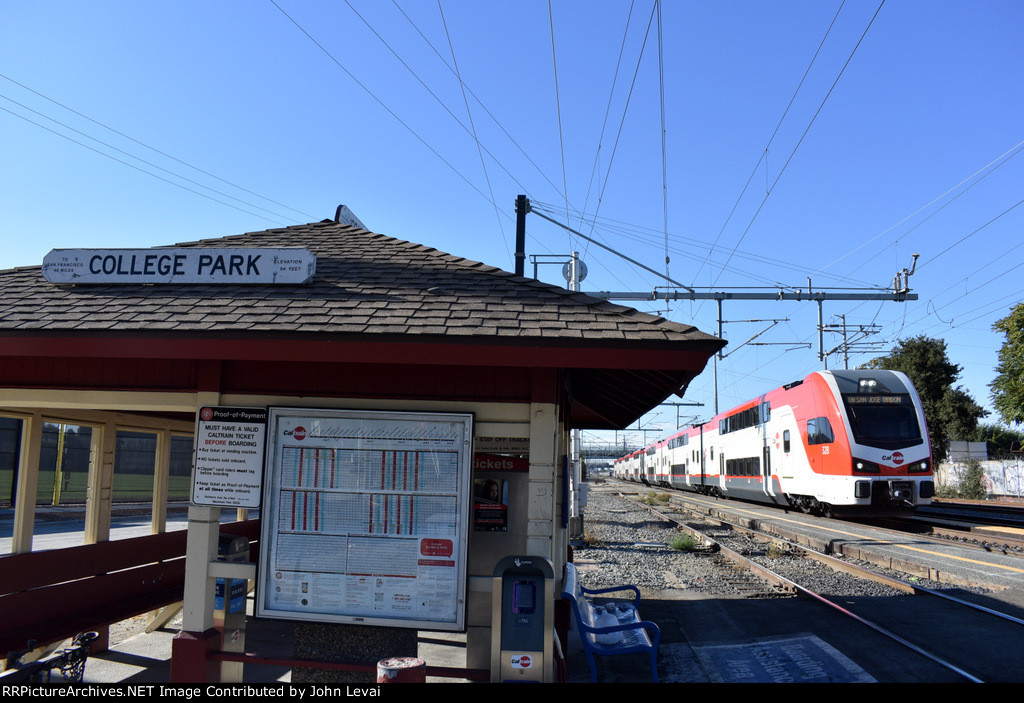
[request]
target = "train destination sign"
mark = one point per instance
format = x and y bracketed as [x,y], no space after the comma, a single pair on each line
[183,265]
[229,447]
[365,518]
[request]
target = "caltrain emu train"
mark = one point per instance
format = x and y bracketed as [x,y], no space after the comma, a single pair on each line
[837,442]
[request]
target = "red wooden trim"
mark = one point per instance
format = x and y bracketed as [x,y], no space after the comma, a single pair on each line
[83,619]
[89,595]
[19,572]
[353,351]
[51,595]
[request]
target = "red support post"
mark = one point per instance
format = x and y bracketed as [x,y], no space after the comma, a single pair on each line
[190,657]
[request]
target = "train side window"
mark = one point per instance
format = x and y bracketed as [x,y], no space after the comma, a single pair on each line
[819,431]
[785,441]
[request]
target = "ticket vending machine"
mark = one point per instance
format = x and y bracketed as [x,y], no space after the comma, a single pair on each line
[229,605]
[522,622]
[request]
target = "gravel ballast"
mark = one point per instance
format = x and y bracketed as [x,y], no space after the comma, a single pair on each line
[626,543]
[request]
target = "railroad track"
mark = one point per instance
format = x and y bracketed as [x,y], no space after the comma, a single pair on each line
[988,513]
[930,528]
[908,614]
[979,537]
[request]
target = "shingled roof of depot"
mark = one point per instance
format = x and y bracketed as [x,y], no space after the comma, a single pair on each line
[365,284]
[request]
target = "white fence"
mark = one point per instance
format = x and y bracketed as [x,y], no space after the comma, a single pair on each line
[1002,477]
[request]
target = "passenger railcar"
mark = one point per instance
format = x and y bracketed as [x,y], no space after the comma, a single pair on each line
[850,442]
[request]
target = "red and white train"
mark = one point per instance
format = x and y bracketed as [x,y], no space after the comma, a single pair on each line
[837,442]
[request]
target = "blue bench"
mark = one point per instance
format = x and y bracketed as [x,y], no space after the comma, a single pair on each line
[630,635]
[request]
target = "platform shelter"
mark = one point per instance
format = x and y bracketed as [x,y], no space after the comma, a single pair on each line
[366,328]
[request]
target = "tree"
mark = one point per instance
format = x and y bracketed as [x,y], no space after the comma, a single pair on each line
[1008,386]
[1002,441]
[950,411]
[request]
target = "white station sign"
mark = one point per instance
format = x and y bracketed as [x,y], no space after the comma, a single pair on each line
[185,265]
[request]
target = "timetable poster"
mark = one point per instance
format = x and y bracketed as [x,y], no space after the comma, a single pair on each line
[366,518]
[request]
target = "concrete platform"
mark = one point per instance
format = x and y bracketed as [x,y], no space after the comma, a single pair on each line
[145,658]
[704,640]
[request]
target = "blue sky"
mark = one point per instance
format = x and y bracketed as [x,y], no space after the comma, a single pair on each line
[804,139]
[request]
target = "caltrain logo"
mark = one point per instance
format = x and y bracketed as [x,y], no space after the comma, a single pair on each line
[523,661]
[896,458]
[297,433]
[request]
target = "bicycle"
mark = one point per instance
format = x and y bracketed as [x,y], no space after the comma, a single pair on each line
[70,661]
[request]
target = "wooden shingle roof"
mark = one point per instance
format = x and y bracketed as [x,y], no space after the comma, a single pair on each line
[368,288]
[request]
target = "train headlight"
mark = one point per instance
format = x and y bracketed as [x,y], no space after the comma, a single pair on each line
[918,466]
[865,466]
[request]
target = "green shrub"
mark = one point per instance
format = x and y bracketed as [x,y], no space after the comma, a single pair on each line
[968,483]
[685,543]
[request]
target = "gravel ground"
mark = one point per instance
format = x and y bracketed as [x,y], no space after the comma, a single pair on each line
[630,545]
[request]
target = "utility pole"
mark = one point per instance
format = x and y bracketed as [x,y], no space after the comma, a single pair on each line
[857,332]
[677,291]
[522,207]
[683,405]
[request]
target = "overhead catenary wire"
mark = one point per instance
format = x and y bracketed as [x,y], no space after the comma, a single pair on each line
[476,138]
[810,124]
[778,125]
[608,109]
[558,110]
[150,147]
[681,244]
[284,219]
[490,114]
[664,151]
[133,166]
[625,109]
[978,176]
[470,132]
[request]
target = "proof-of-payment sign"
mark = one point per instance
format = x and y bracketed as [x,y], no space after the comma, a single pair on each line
[229,449]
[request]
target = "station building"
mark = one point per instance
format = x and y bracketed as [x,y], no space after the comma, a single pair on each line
[382,330]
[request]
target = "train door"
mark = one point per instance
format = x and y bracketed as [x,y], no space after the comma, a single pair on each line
[764,427]
[700,458]
[783,438]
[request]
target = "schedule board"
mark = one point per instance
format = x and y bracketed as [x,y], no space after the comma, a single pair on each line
[365,518]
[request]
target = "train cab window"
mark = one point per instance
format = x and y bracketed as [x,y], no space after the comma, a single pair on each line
[785,441]
[819,431]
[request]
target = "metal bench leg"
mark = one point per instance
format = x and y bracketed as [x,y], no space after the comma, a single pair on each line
[654,666]
[593,668]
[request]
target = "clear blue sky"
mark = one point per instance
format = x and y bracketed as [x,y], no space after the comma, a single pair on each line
[137,124]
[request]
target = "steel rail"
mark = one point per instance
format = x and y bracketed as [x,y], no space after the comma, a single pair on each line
[801,590]
[861,571]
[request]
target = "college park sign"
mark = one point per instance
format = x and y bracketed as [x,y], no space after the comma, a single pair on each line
[185,265]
